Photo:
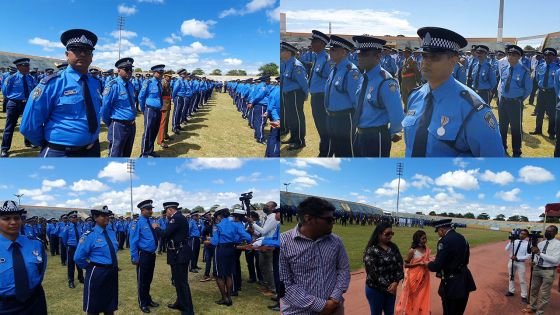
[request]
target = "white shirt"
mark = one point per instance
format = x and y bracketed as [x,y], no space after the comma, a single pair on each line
[269,227]
[522,253]
[552,256]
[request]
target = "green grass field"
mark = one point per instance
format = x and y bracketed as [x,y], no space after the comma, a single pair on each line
[62,300]
[532,146]
[355,239]
[217,130]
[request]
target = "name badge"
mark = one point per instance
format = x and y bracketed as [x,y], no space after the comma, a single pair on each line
[70,92]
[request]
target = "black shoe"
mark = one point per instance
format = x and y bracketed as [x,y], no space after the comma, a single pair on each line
[551,136]
[535,133]
[145,309]
[287,141]
[81,281]
[153,304]
[64,264]
[534,114]
[234,293]
[174,306]
[28,144]
[509,294]
[271,307]
[294,147]
[524,300]
[4,153]
[193,271]
[177,132]
[71,285]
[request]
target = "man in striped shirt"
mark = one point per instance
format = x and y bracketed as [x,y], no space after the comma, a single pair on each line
[314,267]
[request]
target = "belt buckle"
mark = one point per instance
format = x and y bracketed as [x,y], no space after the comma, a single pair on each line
[90,146]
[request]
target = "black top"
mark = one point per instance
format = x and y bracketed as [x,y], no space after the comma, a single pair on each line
[383,267]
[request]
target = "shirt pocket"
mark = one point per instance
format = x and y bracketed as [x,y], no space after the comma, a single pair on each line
[6,272]
[71,106]
[447,132]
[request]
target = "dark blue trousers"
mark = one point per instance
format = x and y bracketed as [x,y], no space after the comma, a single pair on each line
[71,265]
[273,144]
[35,305]
[208,258]
[14,109]
[187,109]
[152,118]
[145,275]
[195,252]
[121,139]
[179,103]
[101,289]
[259,121]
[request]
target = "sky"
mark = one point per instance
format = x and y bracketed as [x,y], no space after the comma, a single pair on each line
[86,183]
[470,18]
[210,34]
[504,186]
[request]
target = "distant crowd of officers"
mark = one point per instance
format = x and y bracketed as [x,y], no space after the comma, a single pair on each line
[62,110]
[364,93]
[92,245]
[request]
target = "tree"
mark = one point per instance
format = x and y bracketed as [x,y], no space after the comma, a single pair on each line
[500,217]
[419,212]
[198,71]
[270,69]
[216,72]
[483,216]
[236,206]
[237,73]
[523,218]
[469,215]
[528,47]
[514,218]
[198,208]
[138,70]
[432,213]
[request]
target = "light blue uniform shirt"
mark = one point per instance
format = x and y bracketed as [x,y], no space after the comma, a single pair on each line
[228,231]
[194,228]
[541,71]
[388,63]
[13,86]
[320,72]
[486,76]
[521,83]
[69,234]
[117,102]
[93,248]
[273,108]
[293,76]
[35,263]
[150,94]
[142,238]
[340,90]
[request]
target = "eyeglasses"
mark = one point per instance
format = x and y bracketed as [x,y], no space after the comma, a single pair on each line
[329,220]
[80,51]
[434,57]
[127,69]
[389,233]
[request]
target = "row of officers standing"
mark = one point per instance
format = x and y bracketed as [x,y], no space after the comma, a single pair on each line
[62,112]
[360,107]
[92,246]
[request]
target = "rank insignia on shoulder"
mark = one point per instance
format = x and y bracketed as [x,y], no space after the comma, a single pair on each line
[393,87]
[2,260]
[490,120]
[106,90]
[410,112]
[172,221]
[440,246]
[82,240]
[356,76]
[298,70]
[37,92]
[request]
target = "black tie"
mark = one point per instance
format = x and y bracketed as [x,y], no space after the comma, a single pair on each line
[20,274]
[111,248]
[327,96]
[362,96]
[160,93]
[128,93]
[421,138]
[543,252]
[152,229]
[312,69]
[508,81]
[90,110]
[545,84]
[25,87]
[477,76]
[76,233]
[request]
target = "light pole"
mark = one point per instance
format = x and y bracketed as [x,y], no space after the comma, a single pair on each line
[120,24]
[18,196]
[400,171]
[130,170]
[287,184]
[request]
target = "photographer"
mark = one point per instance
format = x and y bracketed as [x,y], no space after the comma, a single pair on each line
[518,249]
[545,260]
[265,258]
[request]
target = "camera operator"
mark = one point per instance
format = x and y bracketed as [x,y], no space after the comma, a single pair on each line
[251,255]
[518,249]
[546,257]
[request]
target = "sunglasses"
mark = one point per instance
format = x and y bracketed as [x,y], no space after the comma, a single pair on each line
[127,69]
[329,220]
[434,57]
[80,51]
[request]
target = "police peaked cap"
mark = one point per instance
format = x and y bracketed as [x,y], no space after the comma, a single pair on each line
[78,38]
[364,43]
[124,63]
[145,204]
[437,39]
[320,36]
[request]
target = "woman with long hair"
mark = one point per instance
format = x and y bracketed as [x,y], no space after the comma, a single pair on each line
[415,296]
[384,269]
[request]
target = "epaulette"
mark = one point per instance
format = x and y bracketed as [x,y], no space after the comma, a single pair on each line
[86,233]
[45,80]
[472,99]
[413,90]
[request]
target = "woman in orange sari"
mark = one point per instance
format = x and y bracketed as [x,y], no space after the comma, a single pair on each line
[415,296]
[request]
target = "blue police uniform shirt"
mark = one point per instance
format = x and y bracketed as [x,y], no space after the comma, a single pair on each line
[35,263]
[320,72]
[52,229]
[260,95]
[353,58]
[30,230]
[13,86]
[194,228]
[541,71]
[460,73]
[94,247]
[136,83]
[150,94]
[142,238]
[273,109]
[61,227]
[195,86]
[162,223]
[181,88]
[486,76]
[390,110]
[453,102]
[521,83]
[526,61]
[557,85]
[293,76]
[340,90]
[116,102]
[389,64]
[69,235]
[56,110]
[228,232]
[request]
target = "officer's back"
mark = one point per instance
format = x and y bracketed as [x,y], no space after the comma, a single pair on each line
[176,234]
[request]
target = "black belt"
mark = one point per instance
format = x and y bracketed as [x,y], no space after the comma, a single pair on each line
[546,268]
[124,122]
[101,265]
[12,298]
[482,90]
[340,113]
[146,252]
[372,130]
[17,101]
[546,90]
[154,108]
[70,148]
[226,245]
[517,99]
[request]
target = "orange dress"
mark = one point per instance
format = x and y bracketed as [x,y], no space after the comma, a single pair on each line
[415,296]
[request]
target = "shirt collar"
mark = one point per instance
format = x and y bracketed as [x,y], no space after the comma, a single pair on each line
[6,243]
[374,70]
[296,234]
[98,229]
[75,75]
[441,90]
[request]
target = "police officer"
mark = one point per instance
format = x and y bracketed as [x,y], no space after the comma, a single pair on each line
[515,86]
[273,113]
[450,265]
[379,102]
[163,129]
[23,262]
[178,255]
[320,71]
[410,75]
[118,111]
[63,250]
[341,99]
[195,230]
[16,90]
[97,253]
[181,95]
[143,246]
[557,124]
[294,87]
[62,114]
[546,101]
[484,75]
[162,221]
[388,63]
[445,117]
[258,101]
[52,233]
[151,102]
[70,238]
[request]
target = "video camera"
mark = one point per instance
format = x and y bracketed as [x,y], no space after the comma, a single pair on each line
[246,201]
[246,196]
[514,234]
[534,237]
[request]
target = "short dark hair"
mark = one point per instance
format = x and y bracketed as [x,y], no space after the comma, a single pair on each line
[555,228]
[524,230]
[313,206]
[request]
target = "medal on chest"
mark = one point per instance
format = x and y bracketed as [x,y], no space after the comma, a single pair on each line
[441,130]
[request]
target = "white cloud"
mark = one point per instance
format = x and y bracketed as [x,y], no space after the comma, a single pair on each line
[58,183]
[390,188]
[296,172]
[172,39]
[30,192]
[211,163]
[252,6]
[124,34]
[459,179]
[115,172]
[43,198]
[366,21]
[197,28]
[509,195]
[304,181]
[47,167]
[274,14]
[148,43]
[558,194]
[124,10]
[251,178]
[422,181]
[218,181]
[88,185]
[481,196]
[534,175]
[233,61]
[330,163]
[460,162]
[45,43]
[501,178]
